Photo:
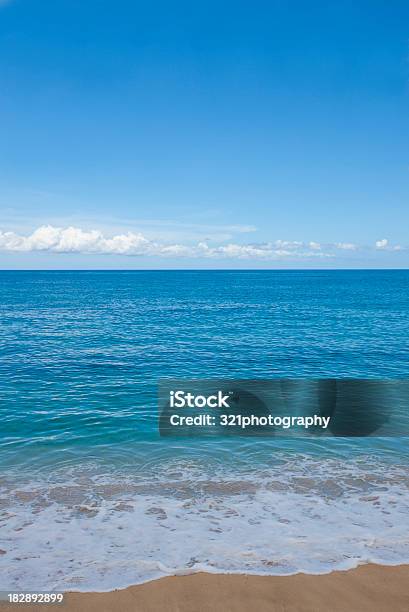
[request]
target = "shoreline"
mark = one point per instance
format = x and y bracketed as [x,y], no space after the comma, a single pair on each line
[367,588]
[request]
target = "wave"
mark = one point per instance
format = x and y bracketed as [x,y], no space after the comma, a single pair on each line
[86,529]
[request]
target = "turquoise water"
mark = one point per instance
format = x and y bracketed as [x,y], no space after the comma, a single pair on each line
[88,484]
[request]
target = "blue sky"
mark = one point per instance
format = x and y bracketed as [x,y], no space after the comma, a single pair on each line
[183,134]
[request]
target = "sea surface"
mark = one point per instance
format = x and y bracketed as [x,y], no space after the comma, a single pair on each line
[92,498]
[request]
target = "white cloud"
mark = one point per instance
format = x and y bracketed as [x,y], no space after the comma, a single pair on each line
[384,245]
[76,240]
[381,244]
[346,246]
[49,238]
[288,244]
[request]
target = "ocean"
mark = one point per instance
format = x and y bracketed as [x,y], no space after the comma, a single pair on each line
[92,498]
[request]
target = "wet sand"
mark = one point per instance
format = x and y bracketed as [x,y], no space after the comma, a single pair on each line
[369,588]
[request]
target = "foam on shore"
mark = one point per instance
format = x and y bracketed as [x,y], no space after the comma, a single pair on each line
[82,529]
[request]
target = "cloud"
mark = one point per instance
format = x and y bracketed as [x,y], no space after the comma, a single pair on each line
[383,245]
[52,239]
[346,246]
[76,240]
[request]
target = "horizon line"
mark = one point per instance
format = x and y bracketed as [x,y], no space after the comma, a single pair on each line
[204,269]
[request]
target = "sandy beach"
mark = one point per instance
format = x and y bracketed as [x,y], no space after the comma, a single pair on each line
[369,588]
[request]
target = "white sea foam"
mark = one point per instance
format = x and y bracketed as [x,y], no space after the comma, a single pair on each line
[88,531]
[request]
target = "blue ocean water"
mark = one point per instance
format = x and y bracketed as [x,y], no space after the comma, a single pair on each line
[88,485]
